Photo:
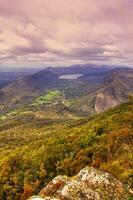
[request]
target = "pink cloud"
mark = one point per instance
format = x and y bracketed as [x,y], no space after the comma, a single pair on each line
[66,30]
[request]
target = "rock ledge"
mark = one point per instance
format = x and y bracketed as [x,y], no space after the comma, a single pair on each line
[89,184]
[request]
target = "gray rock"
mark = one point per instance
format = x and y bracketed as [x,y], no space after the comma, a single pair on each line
[89,184]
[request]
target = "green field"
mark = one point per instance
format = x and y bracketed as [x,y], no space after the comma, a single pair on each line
[48,98]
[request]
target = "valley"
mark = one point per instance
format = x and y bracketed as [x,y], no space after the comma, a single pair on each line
[51,126]
[80,94]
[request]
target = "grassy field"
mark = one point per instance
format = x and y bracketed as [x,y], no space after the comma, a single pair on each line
[48,98]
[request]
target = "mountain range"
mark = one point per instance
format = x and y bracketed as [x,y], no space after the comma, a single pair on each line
[93,91]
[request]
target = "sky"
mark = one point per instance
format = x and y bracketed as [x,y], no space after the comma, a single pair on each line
[36,33]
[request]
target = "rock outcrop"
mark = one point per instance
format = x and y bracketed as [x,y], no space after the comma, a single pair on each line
[89,184]
[115,89]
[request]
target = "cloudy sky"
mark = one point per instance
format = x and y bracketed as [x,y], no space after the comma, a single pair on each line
[64,32]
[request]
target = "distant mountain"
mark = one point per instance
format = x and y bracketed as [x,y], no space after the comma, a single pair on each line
[29,86]
[96,90]
[94,77]
[80,69]
[26,88]
[114,89]
[8,75]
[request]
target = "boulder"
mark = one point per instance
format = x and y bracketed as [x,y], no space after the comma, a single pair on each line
[89,184]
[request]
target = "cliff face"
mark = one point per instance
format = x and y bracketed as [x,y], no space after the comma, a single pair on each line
[104,101]
[89,184]
[115,89]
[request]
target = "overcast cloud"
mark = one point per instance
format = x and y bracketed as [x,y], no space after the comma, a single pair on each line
[60,32]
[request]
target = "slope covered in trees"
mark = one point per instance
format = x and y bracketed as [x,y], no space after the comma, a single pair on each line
[34,150]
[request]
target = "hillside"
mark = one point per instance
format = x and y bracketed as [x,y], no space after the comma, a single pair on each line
[28,87]
[34,150]
[97,92]
[115,88]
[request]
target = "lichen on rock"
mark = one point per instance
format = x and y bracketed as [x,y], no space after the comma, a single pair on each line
[89,184]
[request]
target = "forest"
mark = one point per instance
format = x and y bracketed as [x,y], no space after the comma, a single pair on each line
[34,150]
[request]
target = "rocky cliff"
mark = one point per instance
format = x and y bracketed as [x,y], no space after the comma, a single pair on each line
[116,88]
[89,184]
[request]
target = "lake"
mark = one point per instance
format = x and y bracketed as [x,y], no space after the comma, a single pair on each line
[70,76]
